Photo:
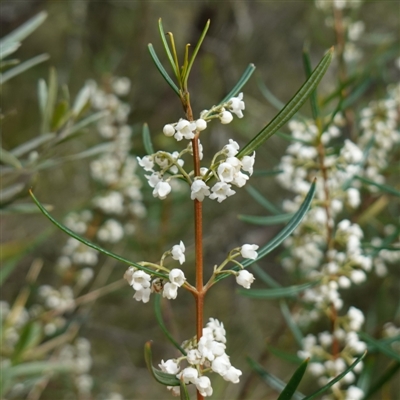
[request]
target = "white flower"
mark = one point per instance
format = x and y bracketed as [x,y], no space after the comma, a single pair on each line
[245,278]
[203,385]
[193,357]
[354,393]
[249,251]
[237,105]
[218,330]
[169,366]
[221,191]
[178,252]
[358,276]
[248,163]
[146,163]
[162,189]
[353,197]
[351,152]
[140,280]
[232,375]
[177,277]
[184,129]
[153,179]
[170,291]
[225,117]
[221,364]
[201,124]
[189,375]
[240,179]
[168,130]
[226,172]
[232,148]
[142,295]
[199,190]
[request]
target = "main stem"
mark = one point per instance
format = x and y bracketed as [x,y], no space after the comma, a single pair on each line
[198,232]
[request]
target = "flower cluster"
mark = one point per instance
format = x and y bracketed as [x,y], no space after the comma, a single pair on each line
[142,282]
[226,168]
[206,355]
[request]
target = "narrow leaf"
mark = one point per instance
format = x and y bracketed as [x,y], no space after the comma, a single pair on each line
[241,82]
[308,71]
[384,188]
[267,172]
[19,69]
[333,381]
[266,278]
[8,49]
[271,380]
[184,392]
[381,347]
[260,199]
[21,208]
[42,95]
[81,100]
[162,70]
[25,29]
[39,368]
[196,50]
[92,245]
[60,115]
[158,375]
[283,355]
[32,144]
[277,293]
[159,318]
[261,220]
[291,107]
[290,138]
[290,389]
[8,158]
[166,46]
[291,323]
[51,98]
[269,96]
[148,145]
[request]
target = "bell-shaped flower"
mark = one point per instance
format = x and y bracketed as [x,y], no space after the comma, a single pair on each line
[221,364]
[170,291]
[168,130]
[249,251]
[248,163]
[232,148]
[221,191]
[240,179]
[194,357]
[184,129]
[189,375]
[245,278]
[161,190]
[226,172]
[177,277]
[218,330]
[201,124]
[225,117]
[237,105]
[142,295]
[140,280]
[147,163]
[178,252]
[232,375]
[153,179]
[199,190]
[169,366]
[203,385]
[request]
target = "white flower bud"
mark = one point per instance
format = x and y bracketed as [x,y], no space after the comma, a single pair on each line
[225,117]
[178,252]
[249,251]
[170,291]
[201,124]
[245,278]
[177,277]
[169,130]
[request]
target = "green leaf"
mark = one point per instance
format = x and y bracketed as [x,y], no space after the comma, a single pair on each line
[81,100]
[291,323]
[25,29]
[42,93]
[283,355]
[277,293]
[384,188]
[8,49]
[260,199]
[31,335]
[288,229]
[159,318]
[39,368]
[19,69]
[290,108]
[267,172]
[271,380]
[269,220]
[21,208]
[60,115]
[148,145]
[290,389]
[166,46]
[162,70]
[184,391]
[32,144]
[241,82]
[266,278]
[51,98]
[92,245]
[282,235]
[9,159]
[196,50]
[10,192]
[385,378]
[158,375]
[381,347]
[7,268]
[308,71]
[333,381]
[269,96]
[290,138]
